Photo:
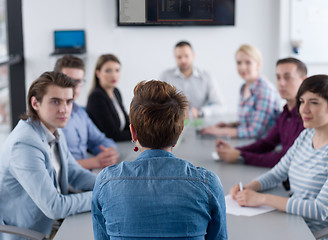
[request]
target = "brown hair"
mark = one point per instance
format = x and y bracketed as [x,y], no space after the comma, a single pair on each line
[301,67]
[157,113]
[69,61]
[101,61]
[182,44]
[39,88]
[317,84]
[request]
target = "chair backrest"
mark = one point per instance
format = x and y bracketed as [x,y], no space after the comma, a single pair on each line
[321,233]
[26,233]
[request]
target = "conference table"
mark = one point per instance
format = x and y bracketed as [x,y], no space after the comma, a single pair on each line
[198,149]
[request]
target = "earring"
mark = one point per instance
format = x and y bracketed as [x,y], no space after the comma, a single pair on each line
[135,148]
[173,145]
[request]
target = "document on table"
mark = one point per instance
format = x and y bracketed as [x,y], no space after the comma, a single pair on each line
[233,208]
[215,156]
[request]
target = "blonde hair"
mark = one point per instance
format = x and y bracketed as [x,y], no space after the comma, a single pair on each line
[251,51]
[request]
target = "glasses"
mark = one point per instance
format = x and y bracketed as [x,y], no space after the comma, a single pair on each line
[80,82]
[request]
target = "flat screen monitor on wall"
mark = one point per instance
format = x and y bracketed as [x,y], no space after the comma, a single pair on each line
[175,12]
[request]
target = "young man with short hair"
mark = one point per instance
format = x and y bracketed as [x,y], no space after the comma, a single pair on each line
[36,167]
[290,74]
[81,133]
[203,95]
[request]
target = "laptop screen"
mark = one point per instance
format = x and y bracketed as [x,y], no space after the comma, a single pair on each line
[74,39]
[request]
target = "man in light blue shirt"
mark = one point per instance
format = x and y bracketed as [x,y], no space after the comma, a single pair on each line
[201,91]
[81,133]
[36,167]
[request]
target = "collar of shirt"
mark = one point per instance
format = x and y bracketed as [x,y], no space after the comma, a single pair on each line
[51,138]
[195,73]
[252,87]
[153,153]
[75,107]
[292,113]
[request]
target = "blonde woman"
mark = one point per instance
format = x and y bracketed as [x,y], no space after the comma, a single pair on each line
[259,103]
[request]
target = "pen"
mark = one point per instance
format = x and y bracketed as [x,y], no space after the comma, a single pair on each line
[240,186]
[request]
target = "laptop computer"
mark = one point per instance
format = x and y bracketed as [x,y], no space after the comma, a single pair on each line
[69,42]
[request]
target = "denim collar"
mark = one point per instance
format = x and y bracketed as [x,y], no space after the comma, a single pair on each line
[154,153]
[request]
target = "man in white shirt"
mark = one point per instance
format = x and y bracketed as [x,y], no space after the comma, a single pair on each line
[203,95]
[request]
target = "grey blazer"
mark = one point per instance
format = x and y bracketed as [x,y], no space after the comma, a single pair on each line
[28,185]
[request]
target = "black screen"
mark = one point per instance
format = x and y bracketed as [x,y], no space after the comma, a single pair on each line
[176,12]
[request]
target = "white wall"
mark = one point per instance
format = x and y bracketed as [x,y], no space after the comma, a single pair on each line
[146,51]
[285,46]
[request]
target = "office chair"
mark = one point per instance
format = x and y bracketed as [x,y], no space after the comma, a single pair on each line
[321,233]
[26,233]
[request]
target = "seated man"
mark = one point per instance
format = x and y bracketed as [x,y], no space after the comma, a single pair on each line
[81,133]
[201,92]
[36,166]
[290,74]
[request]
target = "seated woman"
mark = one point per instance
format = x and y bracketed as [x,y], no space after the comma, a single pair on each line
[305,163]
[158,196]
[105,106]
[259,103]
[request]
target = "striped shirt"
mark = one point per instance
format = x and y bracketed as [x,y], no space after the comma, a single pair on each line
[258,113]
[307,170]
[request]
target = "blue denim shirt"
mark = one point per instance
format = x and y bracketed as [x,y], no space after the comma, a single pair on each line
[82,134]
[158,196]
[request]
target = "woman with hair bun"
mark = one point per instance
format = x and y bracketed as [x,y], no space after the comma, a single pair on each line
[158,196]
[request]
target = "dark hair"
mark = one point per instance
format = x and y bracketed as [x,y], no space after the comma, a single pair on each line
[69,61]
[157,113]
[182,44]
[301,67]
[100,62]
[40,86]
[317,84]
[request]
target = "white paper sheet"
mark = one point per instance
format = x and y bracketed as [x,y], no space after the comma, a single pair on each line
[233,208]
[216,156]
